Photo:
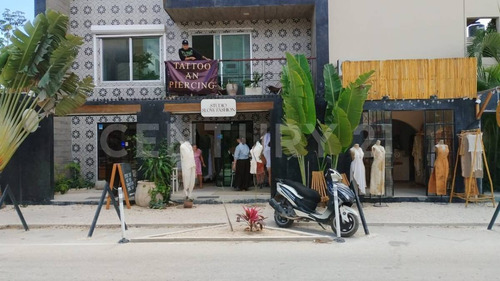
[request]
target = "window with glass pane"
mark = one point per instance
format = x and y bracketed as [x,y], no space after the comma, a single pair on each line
[117,53]
[146,58]
[115,59]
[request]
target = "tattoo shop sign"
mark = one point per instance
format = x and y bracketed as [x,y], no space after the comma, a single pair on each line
[218,107]
[197,77]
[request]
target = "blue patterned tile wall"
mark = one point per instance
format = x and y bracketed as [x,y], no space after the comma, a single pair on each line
[269,39]
[84,140]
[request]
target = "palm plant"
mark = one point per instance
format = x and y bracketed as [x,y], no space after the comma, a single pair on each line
[486,44]
[35,80]
[343,111]
[298,107]
[158,168]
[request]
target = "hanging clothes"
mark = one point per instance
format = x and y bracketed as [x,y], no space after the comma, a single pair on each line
[476,150]
[466,152]
[377,173]
[358,176]
[439,176]
[417,153]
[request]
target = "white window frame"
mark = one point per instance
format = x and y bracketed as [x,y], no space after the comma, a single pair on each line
[127,31]
[219,32]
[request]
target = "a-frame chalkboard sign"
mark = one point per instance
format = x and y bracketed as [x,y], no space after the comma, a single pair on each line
[126,181]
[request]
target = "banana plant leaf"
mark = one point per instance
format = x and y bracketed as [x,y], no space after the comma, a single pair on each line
[329,141]
[306,92]
[293,142]
[352,99]
[333,86]
[342,127]
[294,102]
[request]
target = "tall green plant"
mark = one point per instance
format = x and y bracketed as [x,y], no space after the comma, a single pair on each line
[298,107]
[35,79]
[158,169]
[343,111]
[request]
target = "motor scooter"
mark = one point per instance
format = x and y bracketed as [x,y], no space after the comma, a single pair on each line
[295,202]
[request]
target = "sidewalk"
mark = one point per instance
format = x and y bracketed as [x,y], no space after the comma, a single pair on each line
[395,214]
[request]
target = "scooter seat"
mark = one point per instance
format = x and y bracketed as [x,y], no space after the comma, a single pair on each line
[310,194]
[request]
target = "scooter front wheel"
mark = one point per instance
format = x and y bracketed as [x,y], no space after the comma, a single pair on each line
[347,228]
[281,221]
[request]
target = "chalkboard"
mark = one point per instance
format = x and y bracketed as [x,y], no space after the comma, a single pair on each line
[128,177]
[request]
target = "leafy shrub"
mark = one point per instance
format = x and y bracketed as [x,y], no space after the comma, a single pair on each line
[75,180]
[252,217]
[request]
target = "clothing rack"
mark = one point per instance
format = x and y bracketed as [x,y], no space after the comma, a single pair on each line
[472,179]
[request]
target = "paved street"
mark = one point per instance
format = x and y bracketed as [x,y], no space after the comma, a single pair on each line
[389,253]
[408,241]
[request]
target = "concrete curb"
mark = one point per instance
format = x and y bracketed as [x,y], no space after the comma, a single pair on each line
[320,239]
[171,237]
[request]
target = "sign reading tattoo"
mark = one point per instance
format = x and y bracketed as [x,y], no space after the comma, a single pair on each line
[196,77]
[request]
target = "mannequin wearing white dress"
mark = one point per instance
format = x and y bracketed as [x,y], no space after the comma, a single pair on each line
[358,177]
[255,152]
[188,168]
[377,173]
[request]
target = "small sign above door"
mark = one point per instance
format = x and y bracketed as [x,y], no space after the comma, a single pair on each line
[218,107]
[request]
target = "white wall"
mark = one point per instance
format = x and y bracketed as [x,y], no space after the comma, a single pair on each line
[402,29]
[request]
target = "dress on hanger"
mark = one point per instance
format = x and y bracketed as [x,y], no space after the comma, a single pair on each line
[377,173]
[439,175]
[358,169]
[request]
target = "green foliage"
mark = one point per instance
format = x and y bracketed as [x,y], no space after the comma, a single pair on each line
[298,94]
[71,178]
[298,107]
[344,107]
[486,44]
[141,69]
[254,82]
[35,78]
[158,169]
[8,23]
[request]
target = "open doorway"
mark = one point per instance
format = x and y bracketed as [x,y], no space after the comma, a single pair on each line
[408,163]
[217,141]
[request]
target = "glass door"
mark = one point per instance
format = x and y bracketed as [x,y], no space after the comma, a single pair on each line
[377,125]
[235,47]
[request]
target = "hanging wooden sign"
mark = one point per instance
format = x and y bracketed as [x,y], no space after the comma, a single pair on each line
[126,181]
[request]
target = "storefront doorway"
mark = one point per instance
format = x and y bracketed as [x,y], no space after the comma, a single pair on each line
[409,138]
[116,144]
[217,140]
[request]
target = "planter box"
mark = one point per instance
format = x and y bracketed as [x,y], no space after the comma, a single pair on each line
[253,91]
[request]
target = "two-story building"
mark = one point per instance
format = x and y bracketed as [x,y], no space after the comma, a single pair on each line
[424,88]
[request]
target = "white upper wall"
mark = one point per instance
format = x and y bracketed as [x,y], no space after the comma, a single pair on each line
[402,29]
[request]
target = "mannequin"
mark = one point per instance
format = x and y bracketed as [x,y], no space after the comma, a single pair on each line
[188,168]
[377,173]
[358,169]
[256,152]
[439,176]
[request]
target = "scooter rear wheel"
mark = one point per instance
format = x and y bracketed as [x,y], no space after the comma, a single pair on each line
[281,221]
[348,228]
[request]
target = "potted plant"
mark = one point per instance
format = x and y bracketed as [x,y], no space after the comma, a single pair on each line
[154,191]
[231,88]
[252,86]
